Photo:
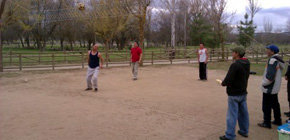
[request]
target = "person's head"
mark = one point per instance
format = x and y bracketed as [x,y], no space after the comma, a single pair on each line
[95,47]
[136,44]
[238,52]
[271,50]
[201,45]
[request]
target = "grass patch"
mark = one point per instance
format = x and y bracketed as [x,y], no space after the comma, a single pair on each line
[259,68]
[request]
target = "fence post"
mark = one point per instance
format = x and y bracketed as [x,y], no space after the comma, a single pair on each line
[38,58]
[20,62]
[152,58]
[65,57]
[227,54]
[10,58]
[282,53]
[83,63]
[107,59]
[52,56]
[257,57]
[210,55]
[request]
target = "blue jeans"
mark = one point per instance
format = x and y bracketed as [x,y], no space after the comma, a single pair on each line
[237,110]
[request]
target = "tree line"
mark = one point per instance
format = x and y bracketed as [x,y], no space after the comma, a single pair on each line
[115,23]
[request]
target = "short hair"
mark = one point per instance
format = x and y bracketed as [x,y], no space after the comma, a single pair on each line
[136,42]
[201,43]
[241,55]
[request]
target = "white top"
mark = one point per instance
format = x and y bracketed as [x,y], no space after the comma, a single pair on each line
[202,55]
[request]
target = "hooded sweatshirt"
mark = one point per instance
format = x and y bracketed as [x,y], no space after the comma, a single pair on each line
[237,77]
[272,78]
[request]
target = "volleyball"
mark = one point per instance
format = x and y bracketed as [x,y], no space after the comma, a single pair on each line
[81,6]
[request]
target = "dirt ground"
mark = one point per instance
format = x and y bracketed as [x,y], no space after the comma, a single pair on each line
[166,103]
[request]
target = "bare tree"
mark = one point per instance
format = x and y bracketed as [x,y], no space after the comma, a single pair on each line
[216,11]
[2,6]
[111,21]
[268,26]
[138,8]
[185,10]
[253,8]
[171,6]
[288,25]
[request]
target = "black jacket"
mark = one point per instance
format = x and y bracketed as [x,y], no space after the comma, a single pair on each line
[288,71]
[237,77]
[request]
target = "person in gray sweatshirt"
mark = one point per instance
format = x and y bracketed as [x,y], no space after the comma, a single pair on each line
[271,84]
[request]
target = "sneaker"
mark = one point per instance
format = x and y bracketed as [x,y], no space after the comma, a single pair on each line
[243,135]
[264,125]
[278,123]
[87,89]
[224,138]
[96,89]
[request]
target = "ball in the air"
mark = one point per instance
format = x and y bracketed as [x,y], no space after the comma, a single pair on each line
[81,6]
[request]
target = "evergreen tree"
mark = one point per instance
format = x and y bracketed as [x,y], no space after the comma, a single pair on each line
[246,31]
[202,31]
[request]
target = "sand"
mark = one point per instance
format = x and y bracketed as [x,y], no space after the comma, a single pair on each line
[166,103]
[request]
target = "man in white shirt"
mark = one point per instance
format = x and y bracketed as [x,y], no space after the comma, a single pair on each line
[202,60]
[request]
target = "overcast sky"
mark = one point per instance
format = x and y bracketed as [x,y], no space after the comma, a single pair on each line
[278,11]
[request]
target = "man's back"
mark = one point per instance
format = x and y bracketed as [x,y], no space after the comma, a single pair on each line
[237,77]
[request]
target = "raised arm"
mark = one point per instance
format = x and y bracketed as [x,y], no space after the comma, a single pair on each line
[206,52]
[197,52]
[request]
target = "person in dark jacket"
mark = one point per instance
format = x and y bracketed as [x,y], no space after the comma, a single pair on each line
[271,84]
[287,77]
[236,82]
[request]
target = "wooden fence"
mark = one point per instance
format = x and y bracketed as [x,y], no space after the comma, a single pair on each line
[20,61]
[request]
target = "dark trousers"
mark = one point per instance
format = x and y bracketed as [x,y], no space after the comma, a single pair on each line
[202,71]
[288,90]
[270,101]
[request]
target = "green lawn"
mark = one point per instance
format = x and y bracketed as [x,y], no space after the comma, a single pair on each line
[259,68]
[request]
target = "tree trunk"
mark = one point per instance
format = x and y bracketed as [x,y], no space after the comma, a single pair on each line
[42,46]
[3,2]
[173,19]
[89,44]
[185,31]
[107,52]
[71,45]
[1,57]
[22,42]
[221,40]
[61,44]
[27,41]
[52,43]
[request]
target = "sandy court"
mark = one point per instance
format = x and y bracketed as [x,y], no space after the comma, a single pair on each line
[166,103]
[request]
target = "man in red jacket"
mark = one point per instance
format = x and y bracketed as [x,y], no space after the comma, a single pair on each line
[136,57]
